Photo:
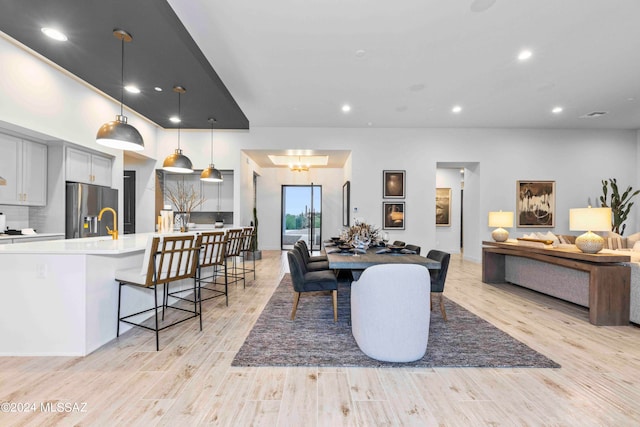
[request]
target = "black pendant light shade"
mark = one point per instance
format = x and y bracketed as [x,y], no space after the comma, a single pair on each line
[118,133]
[211,174]
[121,135]
[178,162]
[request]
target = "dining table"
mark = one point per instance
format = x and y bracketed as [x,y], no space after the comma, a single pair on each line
[358,260]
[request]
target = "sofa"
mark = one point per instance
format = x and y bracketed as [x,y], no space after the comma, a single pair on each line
[544,278]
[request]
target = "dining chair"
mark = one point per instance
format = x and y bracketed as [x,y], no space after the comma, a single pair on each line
[398,243]
[388,317]
[414,248]
[310,265]
[312,258]
[304,280]
[438,278]
[167,259]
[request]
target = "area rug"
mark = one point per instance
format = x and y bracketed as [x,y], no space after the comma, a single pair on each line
[313,339]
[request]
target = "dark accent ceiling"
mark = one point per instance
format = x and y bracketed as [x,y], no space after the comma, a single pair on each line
[161,54]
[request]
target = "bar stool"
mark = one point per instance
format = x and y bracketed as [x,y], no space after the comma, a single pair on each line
[232,252]
[212,255]
[248,234]
[167,259]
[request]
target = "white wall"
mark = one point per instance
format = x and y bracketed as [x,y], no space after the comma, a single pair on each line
[448,237]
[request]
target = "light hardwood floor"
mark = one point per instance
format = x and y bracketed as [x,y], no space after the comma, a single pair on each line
[190,381]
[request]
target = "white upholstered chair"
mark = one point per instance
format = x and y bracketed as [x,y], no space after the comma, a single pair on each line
[390,312]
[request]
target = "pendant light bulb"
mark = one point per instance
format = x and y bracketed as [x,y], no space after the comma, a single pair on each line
[118,133]
[178,162]
[211,174]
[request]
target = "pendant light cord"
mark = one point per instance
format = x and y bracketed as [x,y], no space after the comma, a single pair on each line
[179,119]
[122,77]
[212,142]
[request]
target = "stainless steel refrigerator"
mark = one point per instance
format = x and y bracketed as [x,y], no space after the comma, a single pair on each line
[84,203]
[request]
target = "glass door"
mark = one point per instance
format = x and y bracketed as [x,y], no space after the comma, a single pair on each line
[301,216]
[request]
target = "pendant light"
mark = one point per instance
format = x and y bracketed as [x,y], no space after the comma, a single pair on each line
[118,134]
[211,174]
[178,162]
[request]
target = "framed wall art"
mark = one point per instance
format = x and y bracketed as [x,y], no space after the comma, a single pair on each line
[443,207]
[393,184]
[536,203]
[346,190]
[393,215]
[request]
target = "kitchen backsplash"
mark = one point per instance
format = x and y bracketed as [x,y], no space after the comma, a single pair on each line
[211,217]
[17,217]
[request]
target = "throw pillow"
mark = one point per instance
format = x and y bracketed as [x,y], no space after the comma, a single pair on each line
[631,240]
[615,242]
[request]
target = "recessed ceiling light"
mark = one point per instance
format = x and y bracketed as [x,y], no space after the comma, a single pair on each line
[54,34]
[557,110]
[157,89]
[456,109]
[524,55]
[132,89]
[360,53]
[174,119]
[346,108]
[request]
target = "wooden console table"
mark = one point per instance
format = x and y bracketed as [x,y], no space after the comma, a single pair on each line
[609,279]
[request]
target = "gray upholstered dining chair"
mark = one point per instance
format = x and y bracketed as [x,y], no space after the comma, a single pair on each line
[310,281]
[312,258]
[438,277]
[310,265]
[398,243]
[414,248]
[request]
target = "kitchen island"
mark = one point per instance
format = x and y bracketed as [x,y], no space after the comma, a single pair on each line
[60,298]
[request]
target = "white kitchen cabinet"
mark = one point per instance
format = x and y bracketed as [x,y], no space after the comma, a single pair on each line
[89,168]
[24,168]
[218,195]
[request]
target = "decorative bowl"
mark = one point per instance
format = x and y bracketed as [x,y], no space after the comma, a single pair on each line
[344,248]
[395,249]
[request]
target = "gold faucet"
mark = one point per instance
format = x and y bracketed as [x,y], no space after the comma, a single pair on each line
[114,232]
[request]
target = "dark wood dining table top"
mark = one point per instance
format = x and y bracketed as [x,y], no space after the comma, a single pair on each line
[350,261]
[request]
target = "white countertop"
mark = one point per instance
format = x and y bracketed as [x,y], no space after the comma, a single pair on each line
[103,245]
[29,236]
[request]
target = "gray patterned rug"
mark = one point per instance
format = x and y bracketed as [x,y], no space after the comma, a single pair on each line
[313,339]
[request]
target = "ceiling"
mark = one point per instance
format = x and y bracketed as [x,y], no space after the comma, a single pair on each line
[294,63]
[161,54]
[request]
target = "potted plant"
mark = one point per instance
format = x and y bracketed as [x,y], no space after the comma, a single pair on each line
[185,199]
[255,253]
[620,204]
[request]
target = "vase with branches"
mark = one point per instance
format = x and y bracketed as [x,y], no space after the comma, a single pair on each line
[185,198]
[620,204]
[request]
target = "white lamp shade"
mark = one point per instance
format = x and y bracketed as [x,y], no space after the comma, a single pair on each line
[590,219]
[500,219]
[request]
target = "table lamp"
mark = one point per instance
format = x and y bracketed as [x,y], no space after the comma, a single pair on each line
[500,219]
[590,220]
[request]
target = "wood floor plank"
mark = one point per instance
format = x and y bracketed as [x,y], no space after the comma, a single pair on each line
[300,398]
[335,407]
